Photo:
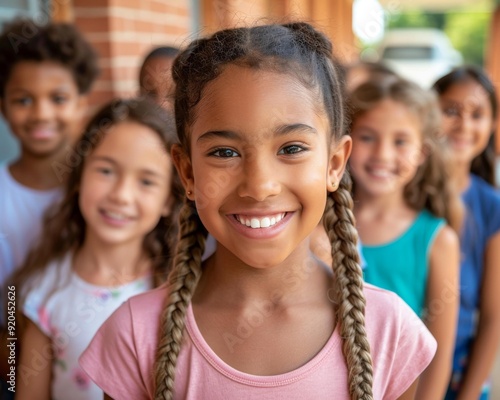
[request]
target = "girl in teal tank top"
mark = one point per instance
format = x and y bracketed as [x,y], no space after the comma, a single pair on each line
[405,208]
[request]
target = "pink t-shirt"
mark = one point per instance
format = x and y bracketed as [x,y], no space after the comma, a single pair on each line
[121,356]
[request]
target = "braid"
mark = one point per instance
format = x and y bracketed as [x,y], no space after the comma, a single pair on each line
[339,225]
[182,284]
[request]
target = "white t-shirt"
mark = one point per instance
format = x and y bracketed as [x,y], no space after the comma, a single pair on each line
[70,311]
[21,217]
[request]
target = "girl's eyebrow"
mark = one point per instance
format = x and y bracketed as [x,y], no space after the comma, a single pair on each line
[287,129]
[111,161]
[281,130]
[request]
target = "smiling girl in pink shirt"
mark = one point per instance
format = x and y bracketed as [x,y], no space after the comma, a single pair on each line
[262,155]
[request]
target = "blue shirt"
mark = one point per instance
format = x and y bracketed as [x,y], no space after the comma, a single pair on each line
[402,265]
[482,221]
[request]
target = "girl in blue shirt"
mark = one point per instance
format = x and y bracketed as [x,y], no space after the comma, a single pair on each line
[469,107]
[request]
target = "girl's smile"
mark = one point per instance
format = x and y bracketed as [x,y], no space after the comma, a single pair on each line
[265,227]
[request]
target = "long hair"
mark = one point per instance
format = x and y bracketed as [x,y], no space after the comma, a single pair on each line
[64,226]
[299,50]
[430,188]
[484,164]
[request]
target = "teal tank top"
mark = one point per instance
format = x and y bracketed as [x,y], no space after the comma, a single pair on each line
[402,265]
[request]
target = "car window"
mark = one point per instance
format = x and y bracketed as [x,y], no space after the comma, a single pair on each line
[408,53]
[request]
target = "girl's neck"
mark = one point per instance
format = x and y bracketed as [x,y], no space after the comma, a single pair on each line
[226,280]
[104,265]
[39,173]
[461,176]
[379,205]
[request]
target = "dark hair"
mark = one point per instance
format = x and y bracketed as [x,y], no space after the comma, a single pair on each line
[24,40]
[64,226]
[299,50]
[430,188]
[372,67]
[484,164]
[375,71]
[164,51]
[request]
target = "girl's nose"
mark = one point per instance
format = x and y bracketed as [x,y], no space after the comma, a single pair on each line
[259,180]
[383,150]
[464,122]
[122,191]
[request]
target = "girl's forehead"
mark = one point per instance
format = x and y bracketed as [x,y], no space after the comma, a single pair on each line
[467,93]
[241,96]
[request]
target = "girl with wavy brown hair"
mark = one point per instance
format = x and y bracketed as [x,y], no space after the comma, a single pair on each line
[261,124]
[405,208]
[107,241]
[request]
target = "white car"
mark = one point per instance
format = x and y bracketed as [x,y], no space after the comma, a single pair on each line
[422,55]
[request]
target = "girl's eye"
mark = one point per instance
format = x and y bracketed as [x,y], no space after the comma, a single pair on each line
[24,101]
[477,115]
[366,138]
[400,142]
[224,153]
[292,149]
[58,99]
[147,182]
[451,112]
[104,171]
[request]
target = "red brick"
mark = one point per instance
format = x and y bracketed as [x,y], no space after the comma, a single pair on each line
[92,25]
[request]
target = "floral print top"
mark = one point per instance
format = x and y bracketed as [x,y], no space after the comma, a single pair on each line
[70,311]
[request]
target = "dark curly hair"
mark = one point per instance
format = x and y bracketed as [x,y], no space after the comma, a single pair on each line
[24,40]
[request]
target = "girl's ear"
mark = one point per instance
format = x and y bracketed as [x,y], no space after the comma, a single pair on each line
[339,154]
[183,165]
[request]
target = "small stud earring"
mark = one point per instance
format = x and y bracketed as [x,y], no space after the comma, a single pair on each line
[189,192]
[334,185]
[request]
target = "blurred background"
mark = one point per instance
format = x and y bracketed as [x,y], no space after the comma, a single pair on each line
[421,39]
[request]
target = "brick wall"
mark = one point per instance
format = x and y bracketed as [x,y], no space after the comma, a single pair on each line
[123,32]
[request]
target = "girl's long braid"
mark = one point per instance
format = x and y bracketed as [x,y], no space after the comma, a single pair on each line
[338,220]
[182,283]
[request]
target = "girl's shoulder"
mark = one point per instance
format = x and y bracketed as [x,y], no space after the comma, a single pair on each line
[56,273]
[401,346]
[483,190]
[387,314]
[482,202]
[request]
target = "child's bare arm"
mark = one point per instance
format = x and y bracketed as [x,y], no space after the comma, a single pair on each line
[35,365]
[487,339]
[441,319]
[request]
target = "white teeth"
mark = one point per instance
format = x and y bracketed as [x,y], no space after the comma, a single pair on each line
[264,222]
[115,215]
[380,173]
[255,223]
